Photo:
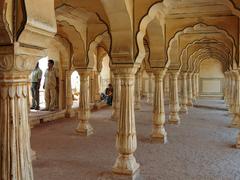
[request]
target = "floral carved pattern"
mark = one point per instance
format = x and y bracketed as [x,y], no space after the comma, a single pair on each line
[6,62]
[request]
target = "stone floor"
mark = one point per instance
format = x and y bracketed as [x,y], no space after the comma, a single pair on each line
[199,148]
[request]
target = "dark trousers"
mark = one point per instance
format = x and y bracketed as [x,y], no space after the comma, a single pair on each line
[35,95]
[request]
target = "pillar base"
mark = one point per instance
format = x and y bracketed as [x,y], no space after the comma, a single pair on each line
[190,104]
[184,109]
[84,129]
[174,119]
[235,121]
[159,138]
[126,165]
[159,134]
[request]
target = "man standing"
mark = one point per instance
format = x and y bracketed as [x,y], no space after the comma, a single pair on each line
[35,85]
[50,84]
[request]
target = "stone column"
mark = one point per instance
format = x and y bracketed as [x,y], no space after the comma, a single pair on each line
[126,142]
[15,150]
[158,130]
[69,98]
[190,97]
[140,83]
[116,97]
[236,97]
[84,128]
[228,89]
[197,85]
[184,107]
[226,82]
[194,86]
[92,87]
[97,86]
[232,87]
[166,86]
[150,90]
[173,101]
[137,91]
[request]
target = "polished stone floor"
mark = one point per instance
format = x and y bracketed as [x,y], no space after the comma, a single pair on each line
[200,148]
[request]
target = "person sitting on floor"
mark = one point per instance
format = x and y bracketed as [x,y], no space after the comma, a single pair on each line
[109,94]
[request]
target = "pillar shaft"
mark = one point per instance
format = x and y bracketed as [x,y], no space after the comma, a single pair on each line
[236,102]
[190,97]
[15,151]
[158,130]
[184,96]
[174,102]
[232,87]
[69,99]
[150,88]
[197,85]
[116,97]
[137,91]
[194,86]
[226,82]
[84,127]
[126,142]
[97,86]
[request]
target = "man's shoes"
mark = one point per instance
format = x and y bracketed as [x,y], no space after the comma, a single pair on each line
[37,108]
[32,107]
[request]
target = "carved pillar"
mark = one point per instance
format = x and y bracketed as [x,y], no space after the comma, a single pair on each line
[229,89]
[84,128]
[190,97]
[184,91]
[194,86]
[226,82]
[137,91]
[197,85]
[97,86]
[158,130]
[15,151]
[92,87]
[166,86]
[116,97]
[140,83]
[174,103]
[232,87]
[126,142]
[69,98]
[236,104]
[150,90]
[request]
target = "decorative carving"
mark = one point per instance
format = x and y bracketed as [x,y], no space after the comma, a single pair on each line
[158,130]
[6,62]
[25,63]
[174,103]
[126,142]
[84,127]
[15,156]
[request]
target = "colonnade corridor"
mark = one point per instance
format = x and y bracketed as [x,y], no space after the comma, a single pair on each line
[201,147]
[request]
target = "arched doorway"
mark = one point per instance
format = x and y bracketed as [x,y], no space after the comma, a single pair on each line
[211,79]
[75,84]
[105,75]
